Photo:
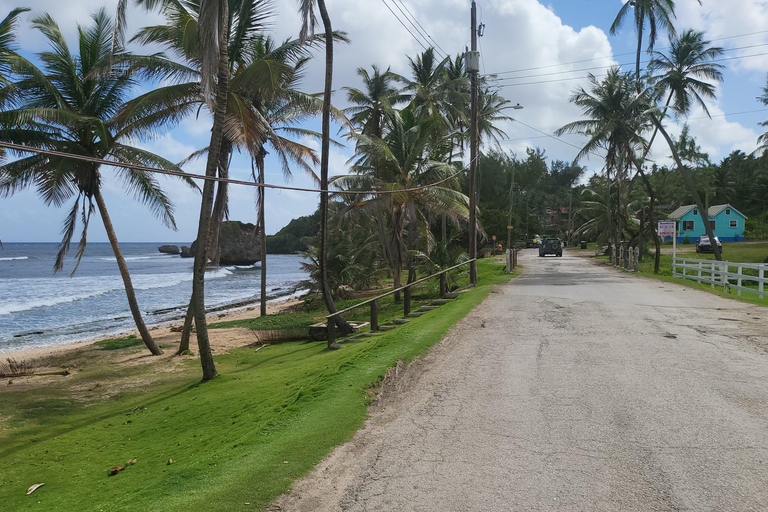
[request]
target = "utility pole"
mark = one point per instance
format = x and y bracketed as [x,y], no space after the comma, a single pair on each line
[473,66]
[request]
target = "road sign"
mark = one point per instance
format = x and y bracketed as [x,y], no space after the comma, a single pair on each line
[493,238]
[666,229]
[510,227]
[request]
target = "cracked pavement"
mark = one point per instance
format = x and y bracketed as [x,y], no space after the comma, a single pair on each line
[574,387]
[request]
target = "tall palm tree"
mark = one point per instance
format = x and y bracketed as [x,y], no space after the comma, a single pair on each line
[306,8]
[616,121]
[369,114]
[72,106]
[656,14]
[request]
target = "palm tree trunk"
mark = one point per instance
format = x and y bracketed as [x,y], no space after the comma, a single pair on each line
[341,324]
[651,217]
[262,237]
[212,249]
[206,206]
[134,306]
[691,187]
[187,329]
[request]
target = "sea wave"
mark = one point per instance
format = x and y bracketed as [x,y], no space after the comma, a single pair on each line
[14,258]
[7,308]
[131,258]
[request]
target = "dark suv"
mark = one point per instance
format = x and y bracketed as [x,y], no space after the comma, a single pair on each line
[551,246]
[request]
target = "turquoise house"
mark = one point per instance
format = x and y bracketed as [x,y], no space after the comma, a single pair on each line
[727,223]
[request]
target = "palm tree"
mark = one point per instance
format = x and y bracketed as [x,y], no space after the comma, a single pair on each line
[306,8]
[72,106]
[407,158]
[370,105]
[8,51]
[655,13]
[616,121]
[369,113]
[8,43]
[683,78]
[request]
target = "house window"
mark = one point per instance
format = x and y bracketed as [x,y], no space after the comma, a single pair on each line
[712,224]
[734,223]
[687,225]
[728,212]
[695,211]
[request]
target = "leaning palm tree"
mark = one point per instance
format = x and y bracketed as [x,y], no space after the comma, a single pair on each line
[685,76]
[71,106]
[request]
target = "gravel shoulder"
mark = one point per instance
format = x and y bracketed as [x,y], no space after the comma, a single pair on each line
[573,387]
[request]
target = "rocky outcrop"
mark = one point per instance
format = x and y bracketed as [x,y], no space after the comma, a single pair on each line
[169,249]
[238,244]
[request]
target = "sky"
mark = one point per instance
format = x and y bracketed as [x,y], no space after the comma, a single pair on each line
[541,52]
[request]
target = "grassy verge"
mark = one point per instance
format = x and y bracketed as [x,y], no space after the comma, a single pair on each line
[230,444]
[732,251]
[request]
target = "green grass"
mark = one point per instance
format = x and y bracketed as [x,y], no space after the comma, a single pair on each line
[118,343]
[236,442]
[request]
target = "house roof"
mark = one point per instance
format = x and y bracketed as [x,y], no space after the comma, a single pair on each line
[711,211]
[677,214]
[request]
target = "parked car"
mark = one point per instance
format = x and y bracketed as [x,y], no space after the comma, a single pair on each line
[551,246]
[704,245]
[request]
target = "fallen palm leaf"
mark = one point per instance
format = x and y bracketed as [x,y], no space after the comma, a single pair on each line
[24,369]
[34,488]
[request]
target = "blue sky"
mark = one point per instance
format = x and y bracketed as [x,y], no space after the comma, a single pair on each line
[548,45]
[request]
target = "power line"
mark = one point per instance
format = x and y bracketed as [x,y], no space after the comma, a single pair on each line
[182,174]
[625,54]
[643,62]
[423,31]
[607,67]
[403,24]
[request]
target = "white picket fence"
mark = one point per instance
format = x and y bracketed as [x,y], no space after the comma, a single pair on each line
[719,273]
[627,258]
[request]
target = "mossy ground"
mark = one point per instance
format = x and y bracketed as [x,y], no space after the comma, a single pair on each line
[235,442]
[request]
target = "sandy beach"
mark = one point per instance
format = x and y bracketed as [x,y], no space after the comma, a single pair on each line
[221,340]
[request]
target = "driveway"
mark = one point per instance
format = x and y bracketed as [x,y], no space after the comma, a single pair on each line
[574,387]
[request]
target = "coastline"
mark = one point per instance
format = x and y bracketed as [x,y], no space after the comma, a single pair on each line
[164,335]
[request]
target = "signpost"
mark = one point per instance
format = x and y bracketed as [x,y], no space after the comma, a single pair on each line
[669,228]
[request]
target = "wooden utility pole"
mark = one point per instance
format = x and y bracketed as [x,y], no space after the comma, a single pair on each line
[473,66]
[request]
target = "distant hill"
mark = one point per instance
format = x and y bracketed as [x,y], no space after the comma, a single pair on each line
[288,239]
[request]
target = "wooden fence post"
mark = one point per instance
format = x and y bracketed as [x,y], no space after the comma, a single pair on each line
[738,280]
[331,329]
[760,287]
[375,315]
[407,301]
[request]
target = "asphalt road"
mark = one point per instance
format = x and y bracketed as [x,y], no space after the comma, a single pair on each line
[574,387]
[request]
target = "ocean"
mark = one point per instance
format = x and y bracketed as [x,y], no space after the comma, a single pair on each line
[39,309]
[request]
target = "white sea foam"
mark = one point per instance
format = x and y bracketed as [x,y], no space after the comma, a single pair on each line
[15,258]
[130,258]
[32,301]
